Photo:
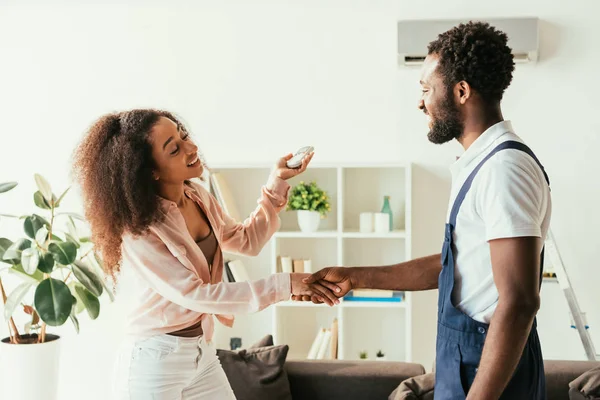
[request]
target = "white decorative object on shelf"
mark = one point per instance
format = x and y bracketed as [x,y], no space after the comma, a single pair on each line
[308,221]
[366,222]
[382,223]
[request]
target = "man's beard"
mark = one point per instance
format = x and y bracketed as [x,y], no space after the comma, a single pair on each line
[447,125]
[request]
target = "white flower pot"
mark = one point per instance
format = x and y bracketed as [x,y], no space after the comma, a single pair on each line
[29,371]
[308,221]
[381,358]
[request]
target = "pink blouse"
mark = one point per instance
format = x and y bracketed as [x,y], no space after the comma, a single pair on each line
[173,287]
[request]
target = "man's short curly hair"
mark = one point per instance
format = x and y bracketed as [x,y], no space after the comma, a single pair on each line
[478,54]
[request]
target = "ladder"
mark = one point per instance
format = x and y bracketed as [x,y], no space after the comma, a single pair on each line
[565,284]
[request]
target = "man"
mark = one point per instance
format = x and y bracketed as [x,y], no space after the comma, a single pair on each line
[491,263]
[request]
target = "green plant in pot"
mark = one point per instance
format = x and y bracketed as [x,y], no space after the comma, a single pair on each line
[59,276]
[312,204]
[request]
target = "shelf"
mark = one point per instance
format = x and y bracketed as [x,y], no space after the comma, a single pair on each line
[398,234]
[300,304]
[343,304]
[373,304]
[300,234]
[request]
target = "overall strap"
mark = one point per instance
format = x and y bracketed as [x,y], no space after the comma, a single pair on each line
[509,144]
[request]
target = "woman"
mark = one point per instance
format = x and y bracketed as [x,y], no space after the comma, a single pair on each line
[147,218]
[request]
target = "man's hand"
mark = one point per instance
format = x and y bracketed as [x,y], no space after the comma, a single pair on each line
[338,280]
[321,293]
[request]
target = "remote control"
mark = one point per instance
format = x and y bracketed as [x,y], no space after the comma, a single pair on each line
[296,160]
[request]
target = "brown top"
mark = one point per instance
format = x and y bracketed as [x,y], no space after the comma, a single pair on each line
[209,247]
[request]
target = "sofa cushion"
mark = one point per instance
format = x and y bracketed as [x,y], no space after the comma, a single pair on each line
[347,380]
[257,373]
[586,386]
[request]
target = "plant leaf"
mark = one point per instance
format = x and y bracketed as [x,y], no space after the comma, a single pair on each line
[41,235]
[9,216]
[44,188]
[36,318]
[72,228]
[53,301]
[38,199]
[27,327]
[70,214]
[88,278]
[96,262]
[71,239]
[30,259]
[34,278]
[31,225]
[85,239]
[4,245]
[13,253]
[64,252]
[91,302]
[46,263]
[5,187]
[79,306]
[73,317]
[57,203]
[14,299]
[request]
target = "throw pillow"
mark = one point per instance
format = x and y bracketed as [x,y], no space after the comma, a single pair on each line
[586,386]
[257,373]
[415,388]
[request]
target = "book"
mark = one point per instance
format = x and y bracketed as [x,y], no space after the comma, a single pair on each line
[325,343]
[316,345]
[223,195]
[298,266]
[333,348]
[238,270]
[380,299]
[228,273]
[395,296]
[372,293]
[286,264]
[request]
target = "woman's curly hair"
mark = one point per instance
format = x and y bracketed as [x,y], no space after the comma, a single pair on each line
[113,164]
[477,53]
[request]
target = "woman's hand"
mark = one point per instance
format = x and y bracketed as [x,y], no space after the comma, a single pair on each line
[282,171]
[316,290]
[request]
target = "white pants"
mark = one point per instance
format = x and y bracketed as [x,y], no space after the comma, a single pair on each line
[167,367]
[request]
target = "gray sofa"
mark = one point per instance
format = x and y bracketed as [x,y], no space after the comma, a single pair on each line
[376,380]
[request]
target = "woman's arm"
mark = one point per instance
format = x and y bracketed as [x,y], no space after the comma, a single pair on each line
[166,275]
[250,236]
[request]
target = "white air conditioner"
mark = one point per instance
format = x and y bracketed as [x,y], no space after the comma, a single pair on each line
[415,35]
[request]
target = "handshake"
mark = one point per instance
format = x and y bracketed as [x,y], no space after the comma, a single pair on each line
[325,286]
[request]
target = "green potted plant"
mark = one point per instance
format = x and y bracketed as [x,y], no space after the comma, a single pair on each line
[380,356]
[312,204]
[57,276]
[363,355]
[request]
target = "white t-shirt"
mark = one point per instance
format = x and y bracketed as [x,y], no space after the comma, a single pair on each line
[509,197]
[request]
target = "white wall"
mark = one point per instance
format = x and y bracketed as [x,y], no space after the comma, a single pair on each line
[257,79]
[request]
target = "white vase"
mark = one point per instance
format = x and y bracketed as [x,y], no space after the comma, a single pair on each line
[29,371]
[308,221]
[380,358]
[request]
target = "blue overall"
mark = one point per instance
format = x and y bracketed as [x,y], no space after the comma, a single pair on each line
[460,339]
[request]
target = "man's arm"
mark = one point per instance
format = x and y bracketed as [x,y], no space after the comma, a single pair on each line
[418,274]
[515,265]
